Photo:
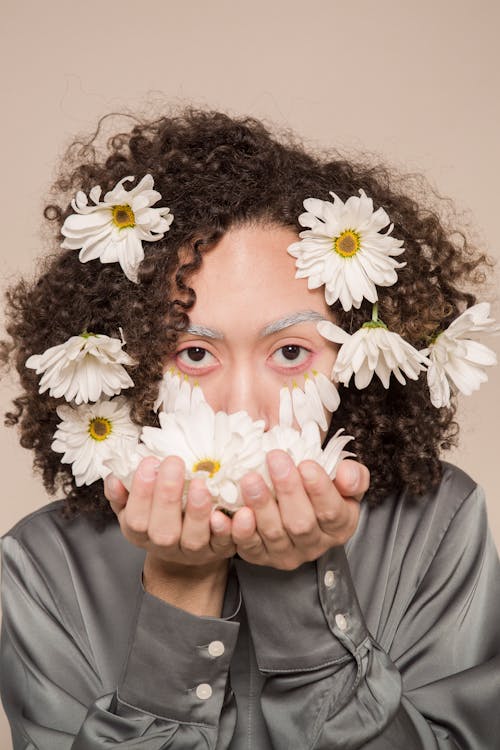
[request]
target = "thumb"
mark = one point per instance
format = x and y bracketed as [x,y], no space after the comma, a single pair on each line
[116,493]
[352,479]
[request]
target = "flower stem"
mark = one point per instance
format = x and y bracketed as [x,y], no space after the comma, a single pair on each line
[375,322]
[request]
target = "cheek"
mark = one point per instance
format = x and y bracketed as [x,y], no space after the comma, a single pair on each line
[213,395]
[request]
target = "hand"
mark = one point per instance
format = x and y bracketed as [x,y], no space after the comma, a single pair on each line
[151,516]
[310,515]
[335,506]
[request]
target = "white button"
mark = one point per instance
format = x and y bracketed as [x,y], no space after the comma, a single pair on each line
[329,579]
[341,622]
[216,648]
[204,691]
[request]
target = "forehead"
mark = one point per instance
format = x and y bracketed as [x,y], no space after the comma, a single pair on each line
[249,277]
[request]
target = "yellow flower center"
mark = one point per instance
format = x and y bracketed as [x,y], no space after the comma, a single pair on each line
[100,428]
[123,217]
[347,244]
[207,464]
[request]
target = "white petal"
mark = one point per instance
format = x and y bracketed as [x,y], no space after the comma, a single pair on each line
[300,406]
[479,354]
[439,386]
[332,332]
[328,393]
[285,410]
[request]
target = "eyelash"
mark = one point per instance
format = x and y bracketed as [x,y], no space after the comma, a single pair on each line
[297,364]
[190,363]
[285,364]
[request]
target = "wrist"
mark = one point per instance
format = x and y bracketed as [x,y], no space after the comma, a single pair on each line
[158,568]
[197,589]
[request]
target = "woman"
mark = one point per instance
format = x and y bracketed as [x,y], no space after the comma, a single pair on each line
[247,605]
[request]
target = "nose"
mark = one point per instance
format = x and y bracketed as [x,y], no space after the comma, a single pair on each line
[242,391]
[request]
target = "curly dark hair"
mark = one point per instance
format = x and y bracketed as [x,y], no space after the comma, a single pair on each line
[216,172]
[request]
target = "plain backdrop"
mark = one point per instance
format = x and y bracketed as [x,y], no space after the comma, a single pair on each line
[415,84]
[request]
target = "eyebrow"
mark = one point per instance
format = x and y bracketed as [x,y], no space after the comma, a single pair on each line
[302,316]
[204,332]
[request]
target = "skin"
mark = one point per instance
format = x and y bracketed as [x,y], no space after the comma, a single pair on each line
[241,358]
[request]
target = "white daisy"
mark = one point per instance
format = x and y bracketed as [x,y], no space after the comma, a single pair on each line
[87,433]
[83,368]
[217,446]
[176,392]
[372,349]
[125,457]
[306,446]
[113,229]
[456,360]
[310,402]
[345,249]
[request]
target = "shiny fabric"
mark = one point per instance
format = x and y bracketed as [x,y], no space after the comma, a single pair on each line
[392,642]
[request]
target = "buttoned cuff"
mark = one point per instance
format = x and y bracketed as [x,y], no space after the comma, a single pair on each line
[339,600]
[303,619]
[178,663]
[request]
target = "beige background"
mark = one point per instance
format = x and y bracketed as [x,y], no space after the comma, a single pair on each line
[416,83]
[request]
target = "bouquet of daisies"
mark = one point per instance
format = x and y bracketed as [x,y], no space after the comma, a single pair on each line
[222,448]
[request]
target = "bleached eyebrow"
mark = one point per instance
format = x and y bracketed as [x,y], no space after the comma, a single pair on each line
[205,332]
[302,316]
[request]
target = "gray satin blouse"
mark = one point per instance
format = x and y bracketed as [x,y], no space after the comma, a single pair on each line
[392,642]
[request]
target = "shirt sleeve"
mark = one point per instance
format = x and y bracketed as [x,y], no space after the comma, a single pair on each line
[331,685]
[174,691]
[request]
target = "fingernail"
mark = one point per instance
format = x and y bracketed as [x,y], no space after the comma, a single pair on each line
[173,471]
[246,520]
[309,472]
[352,475]
[148,470]
[112,487]
[279,464]
[197,496]
[252,488]
[218,523]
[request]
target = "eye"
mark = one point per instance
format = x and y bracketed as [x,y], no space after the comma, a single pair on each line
[291,355]
[196,356]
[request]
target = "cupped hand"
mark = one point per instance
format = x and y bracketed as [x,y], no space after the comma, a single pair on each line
[151,516]
[309,515]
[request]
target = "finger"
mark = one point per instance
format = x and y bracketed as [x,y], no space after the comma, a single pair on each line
[269,525]
[134,518]
[165,520]
[352,479]
[195,534]
[221,540]
[115,492]
[245,535]
[337,516]
[297,513]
